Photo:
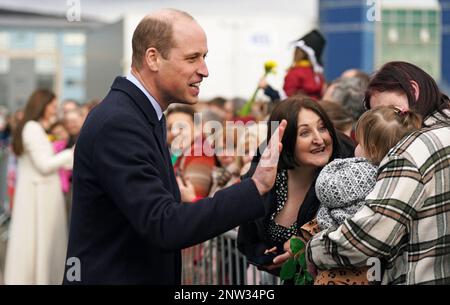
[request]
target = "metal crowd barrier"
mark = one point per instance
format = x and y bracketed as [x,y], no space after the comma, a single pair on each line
[219,262]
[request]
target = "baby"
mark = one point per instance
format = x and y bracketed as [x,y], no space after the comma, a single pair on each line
[343,184]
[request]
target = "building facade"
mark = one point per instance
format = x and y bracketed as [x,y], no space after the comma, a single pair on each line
[364,34]
[41,51]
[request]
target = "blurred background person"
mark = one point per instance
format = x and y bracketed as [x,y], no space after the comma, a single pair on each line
[227,170]
[13,121]
[58,132]
[217,105]
[68,106]
[232,107]
[182,141]
[87,107]
[306,73]
[38,232]
[269,91]
[349,92]
[250,141]
[60,138]
[73,121]
[356,73]
[339,116]
[5,137]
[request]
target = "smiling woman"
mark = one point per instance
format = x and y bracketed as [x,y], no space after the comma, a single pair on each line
[309,143]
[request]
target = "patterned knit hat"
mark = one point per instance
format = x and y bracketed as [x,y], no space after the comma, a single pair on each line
[343,182]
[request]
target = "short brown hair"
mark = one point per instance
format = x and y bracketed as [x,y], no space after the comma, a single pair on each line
[155,31]
[381,128]
[189,110]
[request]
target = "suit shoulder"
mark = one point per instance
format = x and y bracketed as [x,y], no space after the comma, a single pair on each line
[116,107]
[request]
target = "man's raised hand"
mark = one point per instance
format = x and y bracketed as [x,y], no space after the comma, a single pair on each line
[266,171]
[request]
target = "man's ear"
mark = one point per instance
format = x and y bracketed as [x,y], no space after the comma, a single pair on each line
[416,89]
[152,59]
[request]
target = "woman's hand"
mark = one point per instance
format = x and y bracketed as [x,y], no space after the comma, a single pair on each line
[279,260]
[287,244]
[187,190]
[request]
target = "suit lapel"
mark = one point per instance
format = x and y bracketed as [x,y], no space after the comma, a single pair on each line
[141,101]
[158,132]
[138,97]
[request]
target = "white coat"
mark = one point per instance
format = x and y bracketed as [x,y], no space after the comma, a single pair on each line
[37,243]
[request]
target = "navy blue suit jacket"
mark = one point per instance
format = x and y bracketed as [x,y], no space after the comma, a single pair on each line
[128,224]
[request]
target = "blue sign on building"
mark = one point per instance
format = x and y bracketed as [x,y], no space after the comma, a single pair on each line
[445,47]
[349,34]
[364,34]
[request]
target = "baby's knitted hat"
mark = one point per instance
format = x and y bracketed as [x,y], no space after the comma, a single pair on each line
[343,182]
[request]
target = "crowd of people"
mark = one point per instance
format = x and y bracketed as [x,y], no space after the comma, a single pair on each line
[363,171]
[37,152]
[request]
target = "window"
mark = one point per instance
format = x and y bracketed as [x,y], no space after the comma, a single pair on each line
[45,42]
[74,39]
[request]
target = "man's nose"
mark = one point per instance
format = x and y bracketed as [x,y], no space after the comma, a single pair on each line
[203,69]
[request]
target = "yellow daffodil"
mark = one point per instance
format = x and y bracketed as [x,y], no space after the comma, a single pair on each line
[269,67]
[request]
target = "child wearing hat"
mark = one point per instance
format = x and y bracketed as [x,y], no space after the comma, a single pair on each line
[343,184]
[306,73]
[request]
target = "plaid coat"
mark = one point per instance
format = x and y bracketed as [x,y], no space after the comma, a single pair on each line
[405,221]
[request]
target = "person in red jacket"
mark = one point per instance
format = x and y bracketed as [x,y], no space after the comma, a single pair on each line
[306,73]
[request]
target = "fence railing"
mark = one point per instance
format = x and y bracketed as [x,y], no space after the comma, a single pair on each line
[219,262]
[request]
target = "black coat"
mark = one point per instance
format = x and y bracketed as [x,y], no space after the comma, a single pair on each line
[128,224]
[252,237]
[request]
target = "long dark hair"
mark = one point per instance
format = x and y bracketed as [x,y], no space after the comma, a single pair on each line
[34,111]
[396,76]
[288,110]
